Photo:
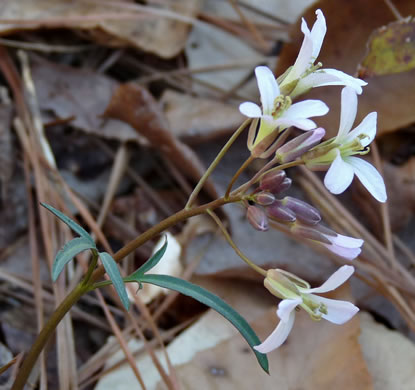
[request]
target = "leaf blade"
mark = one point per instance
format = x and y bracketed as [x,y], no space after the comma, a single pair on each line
[114,273]
[68,221]
[68,252]
[214,302]
[150,263]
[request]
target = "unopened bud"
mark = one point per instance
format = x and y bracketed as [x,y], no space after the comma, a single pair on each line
[310,233]
[264,198]
[303,211]
[299,145]
[272,181]
[257,218]
[285,185]
[281,213]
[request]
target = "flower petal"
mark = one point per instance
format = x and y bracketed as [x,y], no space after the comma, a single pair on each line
[338,312]
[301,123]
[345,241]
[369,177]
[347,253]
[339,176]
[286,307]
[345,79]
[306,109]
[268,88]
[304,58]
[278,336]
[348,113]
[251,110]
[367,127]
[317,33]
[334,281]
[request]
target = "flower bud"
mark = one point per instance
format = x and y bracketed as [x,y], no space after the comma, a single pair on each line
[299,145]
[257,218]
[285,185]
[310,233]
[303,211]
[272,181]
[280,213]
[264,198]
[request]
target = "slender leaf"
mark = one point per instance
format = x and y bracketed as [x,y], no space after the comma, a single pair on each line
[114,273]
[213,301]
[72,224]
[149,264]
[68,252]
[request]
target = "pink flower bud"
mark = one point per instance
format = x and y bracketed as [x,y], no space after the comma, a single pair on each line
[264,198]
[285,185]
[280,213]
[272,181]
[300,145]
[303,211]
[257,218]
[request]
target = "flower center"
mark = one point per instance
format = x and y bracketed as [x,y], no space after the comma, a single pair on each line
[281,104]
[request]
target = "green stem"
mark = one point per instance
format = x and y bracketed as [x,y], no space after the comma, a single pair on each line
[91,268]
[233,245]
[92,277]
[214,164]
[238,173]
[44,335]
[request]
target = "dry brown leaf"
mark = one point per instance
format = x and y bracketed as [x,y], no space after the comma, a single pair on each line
[317,355]
[349,25]
[163,36]
[196,119]
[83,95]
[134,105]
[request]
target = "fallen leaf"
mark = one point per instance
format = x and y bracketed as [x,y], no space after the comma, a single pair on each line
[349,25]
[134,105]
[196,120]
[81,94]
[389,355]
[160,35]
[391,49]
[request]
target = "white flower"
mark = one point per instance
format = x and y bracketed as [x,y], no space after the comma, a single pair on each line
[304,75]
[277,110]
[296,292]
[344,166]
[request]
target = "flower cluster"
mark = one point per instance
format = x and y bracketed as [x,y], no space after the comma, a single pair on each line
[267,137]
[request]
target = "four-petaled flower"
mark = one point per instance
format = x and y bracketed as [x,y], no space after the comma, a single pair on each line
[277,110]
[295,292]
[304,75]
[341,149]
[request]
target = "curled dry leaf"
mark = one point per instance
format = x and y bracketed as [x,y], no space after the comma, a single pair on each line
[391,49]
[349,25]
[134,105]
[112,24]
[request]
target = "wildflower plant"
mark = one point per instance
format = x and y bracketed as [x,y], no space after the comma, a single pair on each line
[265,199]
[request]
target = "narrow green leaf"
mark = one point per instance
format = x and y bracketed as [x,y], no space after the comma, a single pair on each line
[150,263]
[213,301]
[68,252]
[114,273]
[72,224]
